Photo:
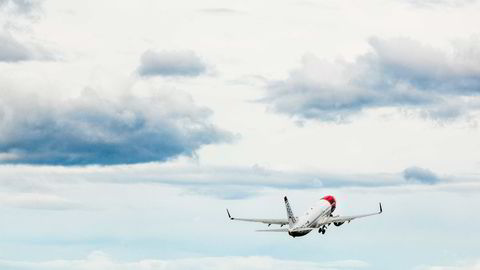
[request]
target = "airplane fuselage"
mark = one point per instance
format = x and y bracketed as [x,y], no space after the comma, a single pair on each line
[314,216]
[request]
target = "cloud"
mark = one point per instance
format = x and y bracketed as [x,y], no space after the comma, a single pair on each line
[228,183]
[20,6]
[171,63]
[90,129]
[432,3]
[420,175]
[396,73]
[100,260]
[220,11]
[12,50]
[37,201]
[222,182]
[223,192]
[426,68]
[465,265]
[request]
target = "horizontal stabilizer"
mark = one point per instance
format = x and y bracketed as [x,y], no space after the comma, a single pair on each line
[287,230]
[273,230]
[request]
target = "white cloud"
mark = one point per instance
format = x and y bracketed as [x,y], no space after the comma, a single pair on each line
[101,261]
[433,3]
[37,201]
[398,73]
[466,265]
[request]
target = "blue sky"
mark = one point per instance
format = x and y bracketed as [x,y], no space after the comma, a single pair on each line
[127,128]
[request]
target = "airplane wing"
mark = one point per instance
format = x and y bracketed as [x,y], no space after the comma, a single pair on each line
[340,219]
[261,220]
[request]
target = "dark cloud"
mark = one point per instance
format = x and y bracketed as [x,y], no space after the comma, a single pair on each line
[420,175]
[12,50]
[174,63]
[94,130]
[399,73]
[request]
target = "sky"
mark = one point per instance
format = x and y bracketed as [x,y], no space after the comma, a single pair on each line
[127,128]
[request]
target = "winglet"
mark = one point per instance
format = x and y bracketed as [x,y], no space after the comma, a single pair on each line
[229,216]
[381,210]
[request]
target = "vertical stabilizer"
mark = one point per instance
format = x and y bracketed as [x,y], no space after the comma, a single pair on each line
[291,217]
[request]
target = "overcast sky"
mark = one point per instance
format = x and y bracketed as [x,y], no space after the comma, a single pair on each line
[127,128]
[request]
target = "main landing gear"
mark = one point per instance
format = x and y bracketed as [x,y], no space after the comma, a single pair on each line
[322,229]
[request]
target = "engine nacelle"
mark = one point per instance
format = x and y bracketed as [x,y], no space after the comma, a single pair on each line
[338,223]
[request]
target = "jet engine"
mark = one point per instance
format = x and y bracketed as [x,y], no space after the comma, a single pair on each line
[338,223]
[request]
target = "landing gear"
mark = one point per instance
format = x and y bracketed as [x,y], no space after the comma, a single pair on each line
[322,229]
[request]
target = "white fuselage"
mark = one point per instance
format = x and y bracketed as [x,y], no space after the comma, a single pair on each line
[312,217]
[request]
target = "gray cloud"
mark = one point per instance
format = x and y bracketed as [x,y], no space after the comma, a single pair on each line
[420,175]
[215,181]
[12,50]
[228,183]
[93,130]
[399,73]
[173,63]
[426,68]
[20,6]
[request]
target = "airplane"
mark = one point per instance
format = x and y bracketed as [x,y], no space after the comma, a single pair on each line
[319,216]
